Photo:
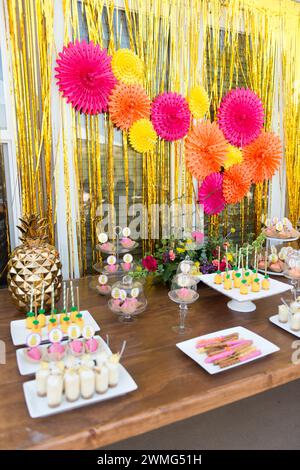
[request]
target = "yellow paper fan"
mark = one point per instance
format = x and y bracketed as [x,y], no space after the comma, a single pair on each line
[142,136]
[127,67]
[233,156]
[198,102]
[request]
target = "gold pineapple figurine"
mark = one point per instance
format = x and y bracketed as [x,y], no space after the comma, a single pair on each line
[33,264]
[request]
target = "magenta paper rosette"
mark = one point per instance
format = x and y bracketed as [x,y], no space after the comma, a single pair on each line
[241,116]
[85,77]
[170,116]
[211,194]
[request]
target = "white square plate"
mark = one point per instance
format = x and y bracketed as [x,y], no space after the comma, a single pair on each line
[38,408]
[276,287]
[284,326]
[19,332]
[26,367]
[189,348]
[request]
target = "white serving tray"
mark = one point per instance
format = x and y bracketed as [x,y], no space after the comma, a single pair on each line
[38,408]
[26,367]
[19,332]
[189,348]
[284,326]
[276,287]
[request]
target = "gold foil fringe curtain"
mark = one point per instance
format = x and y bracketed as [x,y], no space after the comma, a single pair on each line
[220,44]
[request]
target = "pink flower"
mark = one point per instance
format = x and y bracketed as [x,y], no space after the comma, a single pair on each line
[84,76]
[149,263]
[172,255]
[215,262]
[223,265]
[198,236]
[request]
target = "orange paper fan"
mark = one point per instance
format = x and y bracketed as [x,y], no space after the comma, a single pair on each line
[236,183]
[263,156]
[127,104]
[205,149]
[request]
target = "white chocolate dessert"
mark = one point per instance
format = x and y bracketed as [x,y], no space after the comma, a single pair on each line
[77,378]
[295,322]
[72,385]
[54,389]
[283,313]
[101,378]
[113,370]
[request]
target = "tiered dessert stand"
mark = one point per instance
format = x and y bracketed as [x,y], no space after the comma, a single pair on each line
[116,250]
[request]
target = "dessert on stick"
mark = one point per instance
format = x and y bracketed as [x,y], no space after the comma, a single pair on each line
[30,314]
[33,353]
[41,314]
[218,275]
[36,326]
[56,351]
[74,308]
[244,288]
[78,318]
[103,288]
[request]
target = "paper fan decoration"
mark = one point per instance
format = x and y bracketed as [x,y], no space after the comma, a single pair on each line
[241,116]
[127,104]
[236,183]
[127,67]
[205,149]
[211,194]
[85,77]
[171,116]
[198,102]
[142,136]
[263,156]
[233,156]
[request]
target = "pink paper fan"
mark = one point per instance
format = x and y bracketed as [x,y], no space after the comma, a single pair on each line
[241,116]
[211,194]
[85,76]
[170,116]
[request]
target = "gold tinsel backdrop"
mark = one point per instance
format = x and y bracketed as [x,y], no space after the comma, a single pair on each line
[219,44]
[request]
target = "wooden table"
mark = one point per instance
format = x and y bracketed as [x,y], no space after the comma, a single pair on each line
[171,386]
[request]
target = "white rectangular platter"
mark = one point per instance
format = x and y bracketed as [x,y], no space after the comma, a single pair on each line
[19,332]
[284,326]
[38,408]
[189,348]
[26,367]
[276,287]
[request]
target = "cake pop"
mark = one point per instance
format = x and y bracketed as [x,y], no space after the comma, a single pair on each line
[256,285]
[244,287]
[41,313]
[237,280]
[218,275]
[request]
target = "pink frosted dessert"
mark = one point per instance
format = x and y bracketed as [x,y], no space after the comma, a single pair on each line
[127,242]
[126,266]
[107,246]
[116,304]
[129,305]
[111,268]
[104,289]
[185,294]
[294,272]
[77,347]
[34,354]
[56,351]
[91,345]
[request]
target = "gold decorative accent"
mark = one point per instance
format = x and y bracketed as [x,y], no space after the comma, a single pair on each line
[34,264]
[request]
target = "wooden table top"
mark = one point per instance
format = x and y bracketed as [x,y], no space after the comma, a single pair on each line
[171,386]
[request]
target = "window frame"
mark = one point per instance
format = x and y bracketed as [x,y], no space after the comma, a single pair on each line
[7,136]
